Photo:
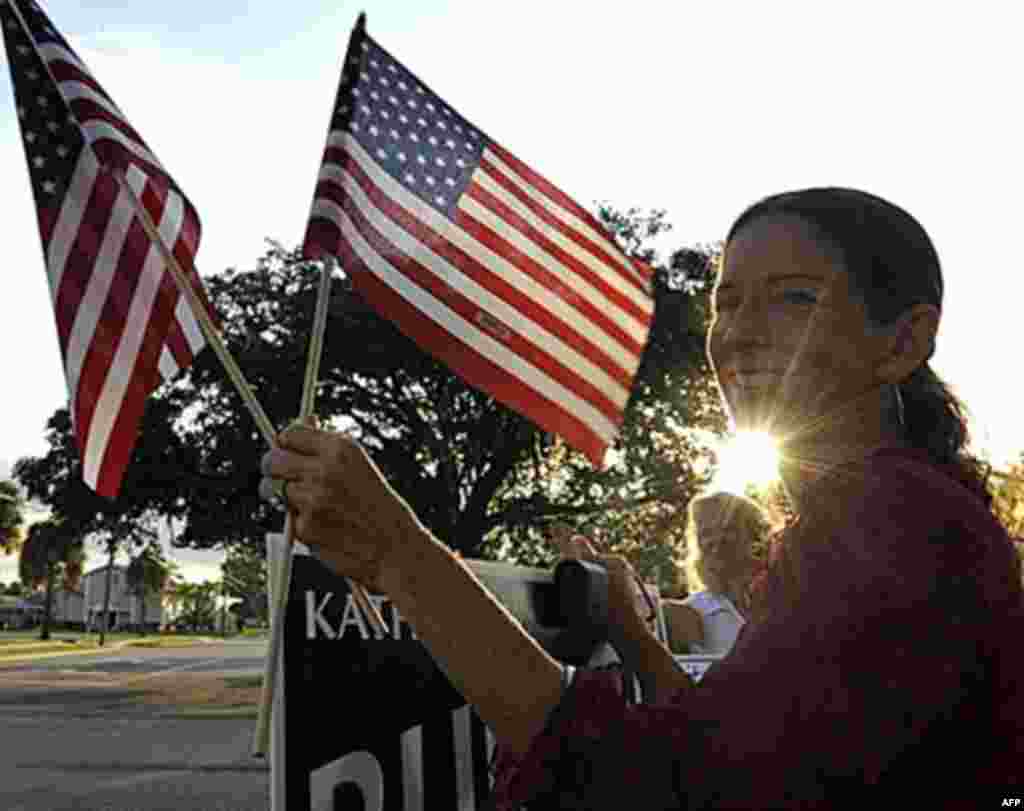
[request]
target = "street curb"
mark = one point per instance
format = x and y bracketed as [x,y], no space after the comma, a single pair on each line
[28,657]
[128,643]
[249,713]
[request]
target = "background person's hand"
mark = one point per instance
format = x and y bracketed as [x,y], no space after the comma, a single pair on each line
[341,505]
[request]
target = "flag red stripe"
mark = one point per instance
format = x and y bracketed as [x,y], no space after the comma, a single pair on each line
[486,277]
[425,278]
[551,192]
[469,364]
[507,215]
[603,253]
[322,237]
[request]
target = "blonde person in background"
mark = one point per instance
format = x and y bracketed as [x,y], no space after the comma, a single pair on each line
[726,545]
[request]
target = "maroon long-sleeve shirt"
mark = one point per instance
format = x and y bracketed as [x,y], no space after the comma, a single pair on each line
[890,668]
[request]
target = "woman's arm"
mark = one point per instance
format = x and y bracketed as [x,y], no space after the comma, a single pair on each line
[660,676]
[486,654]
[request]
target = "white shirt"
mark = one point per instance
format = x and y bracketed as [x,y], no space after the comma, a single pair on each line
[722,622]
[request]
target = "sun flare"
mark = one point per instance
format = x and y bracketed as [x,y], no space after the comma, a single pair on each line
[746,459]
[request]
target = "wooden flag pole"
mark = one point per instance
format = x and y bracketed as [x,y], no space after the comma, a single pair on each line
[266,428]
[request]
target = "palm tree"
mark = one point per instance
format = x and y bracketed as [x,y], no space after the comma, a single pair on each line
[52,546]
[147,574]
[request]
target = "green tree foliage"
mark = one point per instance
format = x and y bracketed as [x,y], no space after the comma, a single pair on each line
[245,578]
[197,605]
[12,517]
[1007,488]
[482,478]
[52,549]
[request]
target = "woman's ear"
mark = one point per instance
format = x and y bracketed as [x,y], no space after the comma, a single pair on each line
[911,343]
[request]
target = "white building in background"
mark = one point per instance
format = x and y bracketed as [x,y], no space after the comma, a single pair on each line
[125,607]
[68,606]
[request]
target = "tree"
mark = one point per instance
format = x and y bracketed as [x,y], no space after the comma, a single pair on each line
[12,517]
[198,604]
[53,547]
[245,577]
[1007,488]
[114,532]
[148,573]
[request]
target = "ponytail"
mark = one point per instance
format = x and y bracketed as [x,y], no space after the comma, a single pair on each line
[935,421]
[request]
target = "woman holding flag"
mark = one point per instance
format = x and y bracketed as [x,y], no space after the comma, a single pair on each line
[884,650]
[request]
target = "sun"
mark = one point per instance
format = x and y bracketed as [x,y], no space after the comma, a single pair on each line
[746,459]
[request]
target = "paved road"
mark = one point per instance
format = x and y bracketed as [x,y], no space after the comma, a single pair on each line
[55,759]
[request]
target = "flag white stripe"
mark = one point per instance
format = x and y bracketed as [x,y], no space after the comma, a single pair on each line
[65,230]
[567,218]
[480,341]
[120,374]
[190,326]
[517,321]
[583,256]
[483,215]
[90,308]
[623,357]
[96,131]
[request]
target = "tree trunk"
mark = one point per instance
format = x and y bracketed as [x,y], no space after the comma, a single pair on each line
[44,632]
[106,595]
[142,612]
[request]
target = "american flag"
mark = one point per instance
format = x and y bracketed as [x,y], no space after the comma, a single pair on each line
[123,327]
[475,256]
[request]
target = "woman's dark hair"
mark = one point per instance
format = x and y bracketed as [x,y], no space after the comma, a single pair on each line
[893,265]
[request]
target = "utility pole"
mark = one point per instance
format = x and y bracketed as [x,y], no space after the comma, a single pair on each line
[223,608]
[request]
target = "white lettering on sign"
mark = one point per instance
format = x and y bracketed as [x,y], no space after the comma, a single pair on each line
[364,771]
[412,769]
[315,618]
[361,769]
[352,618]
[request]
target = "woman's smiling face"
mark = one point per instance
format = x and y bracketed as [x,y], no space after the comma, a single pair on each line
[789,341]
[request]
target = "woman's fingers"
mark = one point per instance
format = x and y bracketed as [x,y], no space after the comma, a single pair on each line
[303,438]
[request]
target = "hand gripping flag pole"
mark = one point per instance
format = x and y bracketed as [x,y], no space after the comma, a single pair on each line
[266,428]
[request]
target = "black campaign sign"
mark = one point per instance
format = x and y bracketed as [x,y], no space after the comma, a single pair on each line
[372,723]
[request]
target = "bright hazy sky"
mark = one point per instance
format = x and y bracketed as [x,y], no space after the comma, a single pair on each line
[698,108]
